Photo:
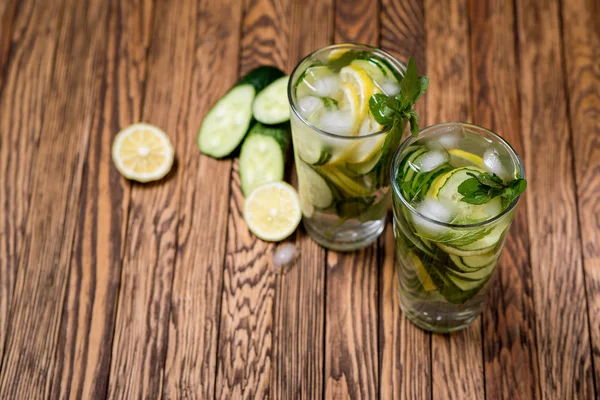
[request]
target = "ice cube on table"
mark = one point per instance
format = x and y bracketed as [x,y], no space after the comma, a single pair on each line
[431,160]
[390,88]
[337,122]
[328,86]
[493,164]
[441,211]
[309,104]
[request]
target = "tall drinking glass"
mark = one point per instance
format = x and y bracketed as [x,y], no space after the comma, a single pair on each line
[340,159]
[447,249]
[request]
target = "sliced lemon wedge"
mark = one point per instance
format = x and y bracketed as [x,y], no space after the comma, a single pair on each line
[363,85]
[465,158]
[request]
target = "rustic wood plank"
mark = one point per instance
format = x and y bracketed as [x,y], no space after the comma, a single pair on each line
[298,337]
[28,77]
[85,340]
[246,330]
[563,343]
[196,298]
[457,359]
[405,361]
[8,10]
[581,33]
[351,349]
[142,322]
[357,22]
[69,114]
[509,342]
[351,359]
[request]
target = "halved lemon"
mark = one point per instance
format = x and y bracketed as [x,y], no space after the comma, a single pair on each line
[143,153]
[272,211]
[362,83]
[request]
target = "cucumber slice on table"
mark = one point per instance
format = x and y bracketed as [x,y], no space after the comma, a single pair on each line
[262,158]
[271,105]
[228,120]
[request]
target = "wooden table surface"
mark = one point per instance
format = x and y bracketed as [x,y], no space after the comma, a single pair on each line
[115,289]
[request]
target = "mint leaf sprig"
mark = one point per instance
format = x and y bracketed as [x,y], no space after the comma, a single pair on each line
[483,187]
[392,110]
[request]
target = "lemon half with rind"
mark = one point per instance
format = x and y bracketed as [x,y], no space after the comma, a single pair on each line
[143,153]
[272,211]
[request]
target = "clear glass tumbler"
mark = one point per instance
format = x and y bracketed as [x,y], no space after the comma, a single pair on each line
[341,161]
[446,249]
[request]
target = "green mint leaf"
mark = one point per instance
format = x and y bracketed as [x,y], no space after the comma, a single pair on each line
[423,85]
[491,180]
[410,86]
[515,188]
[383,114]
[394,136]
[477,197]
[483,187]
[396,109]
[413,119]
[468,187]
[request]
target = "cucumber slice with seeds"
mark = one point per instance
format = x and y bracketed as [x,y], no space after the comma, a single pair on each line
[262,159]
[271,105]
[228,120]
[226,123]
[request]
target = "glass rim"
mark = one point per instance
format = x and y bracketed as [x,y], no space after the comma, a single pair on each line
[401,67]
[427,130]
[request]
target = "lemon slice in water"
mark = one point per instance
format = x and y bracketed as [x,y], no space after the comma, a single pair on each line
[143,153]
[362,83]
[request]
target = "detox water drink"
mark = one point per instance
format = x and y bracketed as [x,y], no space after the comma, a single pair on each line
[341,161]
[447,250]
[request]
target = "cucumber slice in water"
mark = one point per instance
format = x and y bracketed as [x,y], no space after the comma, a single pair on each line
[447,188]
[271,105]
[228,120]
[262,158]
[312,187]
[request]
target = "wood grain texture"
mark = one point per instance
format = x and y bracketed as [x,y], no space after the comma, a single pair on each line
[142,322]
[559,295]
[581,47]
[246,331]
[351,347]
[196,297]
[8,10]
[457,360]
[298,337]
[509,342]
[357,22]
[56,184]
[28,77]
[351,358]
[405,350]
[87,327]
